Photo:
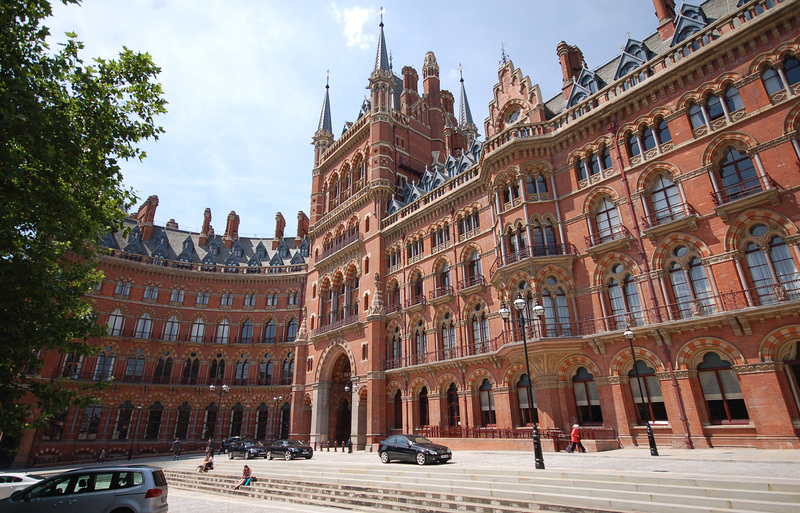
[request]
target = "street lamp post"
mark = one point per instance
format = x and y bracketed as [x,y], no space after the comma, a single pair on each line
[629,334]
[276,430]
[133,438]
[538,311]
[350,435]
[224,389]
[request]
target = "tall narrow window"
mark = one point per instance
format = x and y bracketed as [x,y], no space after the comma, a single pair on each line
[525,409]
[115,323]
[247,332]
[223,332]
[398,410]
[172,328]
[269,332]
[153,426]
[291,330]
[198,331]
[191,370]
[721,391]
[163,370]
[262,416]
[556,311]
[420,343]
[586,397]
[696,117]
[123,427]
[104,366]
[143,326]
[90,423]
[653,409]
[666,199]
[423,407]
[738,174]
[182,422]
[488,417]
[135,368]
[607,220]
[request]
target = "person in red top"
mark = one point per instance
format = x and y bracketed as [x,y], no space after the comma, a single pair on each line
[575,440]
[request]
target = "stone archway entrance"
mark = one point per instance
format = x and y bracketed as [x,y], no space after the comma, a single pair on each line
[332,403]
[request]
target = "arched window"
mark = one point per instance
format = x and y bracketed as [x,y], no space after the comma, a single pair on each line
[247,332]
[198,331]
[721,391]
[556,311]
[153,426]
[288,369]
[223,332]
[398,410]
[606,220]
[143,326]
[73,365]
[623,296]
[269,332]
[182,421]
[714,107]
[662,130]
[696,117]
[544,239]
[394,346]
[172,328]
[134,369]
[90,422]
[216,373]
[525,410]
[738,174]
[771,265]
[420,343]
[733,99]
[265,372]
[448,336]
[163,370]
[666,200]
[291,330]
[586,397]
[480,330]
[473,267]
[690,287]
[241,372]
[210,424]
[488,417]
[191,370]
[772,81]
[123,427]
[423,407]
[104,366]
[237,417]
[632,143]
[115,323]
[262,418]
[653,408]
[648,139]
[443,279]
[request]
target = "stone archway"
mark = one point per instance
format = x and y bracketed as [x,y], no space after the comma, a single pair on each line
[331,412]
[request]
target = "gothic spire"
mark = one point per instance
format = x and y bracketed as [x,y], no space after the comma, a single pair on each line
[325,124]
[464,114]
[382,57]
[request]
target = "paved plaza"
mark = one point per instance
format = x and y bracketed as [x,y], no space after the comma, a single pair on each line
[760,464]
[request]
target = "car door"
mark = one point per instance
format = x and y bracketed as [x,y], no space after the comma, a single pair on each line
[92,492]
[51,495]
[401,448]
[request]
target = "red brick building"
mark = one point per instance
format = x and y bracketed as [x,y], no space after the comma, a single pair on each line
[657,193]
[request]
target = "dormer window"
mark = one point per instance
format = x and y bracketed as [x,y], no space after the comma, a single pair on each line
[237,250]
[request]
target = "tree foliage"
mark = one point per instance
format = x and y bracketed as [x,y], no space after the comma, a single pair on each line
[65,127]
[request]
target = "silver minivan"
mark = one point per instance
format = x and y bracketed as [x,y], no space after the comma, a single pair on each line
[129,489]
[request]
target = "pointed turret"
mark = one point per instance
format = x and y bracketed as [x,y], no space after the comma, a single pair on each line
[465,122]
[323,138]
[382,57]
[325,124]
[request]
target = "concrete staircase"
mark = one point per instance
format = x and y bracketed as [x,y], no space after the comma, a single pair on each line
[440,489]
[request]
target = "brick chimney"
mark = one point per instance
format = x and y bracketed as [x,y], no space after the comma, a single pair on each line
[280,224]
[231,234]
[572,63]
[410,94]
[665,12]
[302,228]
[207,232]
[146,215]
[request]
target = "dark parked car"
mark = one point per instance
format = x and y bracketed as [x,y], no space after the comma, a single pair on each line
[413,448]
[289,450]
[247,449]
[132,489]
[228,442]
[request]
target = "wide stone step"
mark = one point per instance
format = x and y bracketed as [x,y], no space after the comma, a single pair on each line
[423,491]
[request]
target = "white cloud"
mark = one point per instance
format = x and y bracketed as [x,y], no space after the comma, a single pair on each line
[354,19]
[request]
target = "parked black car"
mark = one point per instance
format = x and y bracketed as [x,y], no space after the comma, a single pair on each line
[228,442]
[289,450]
[247,449]
[413,448]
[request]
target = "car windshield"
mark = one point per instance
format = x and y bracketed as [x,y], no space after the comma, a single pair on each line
[294,443]
[418,440]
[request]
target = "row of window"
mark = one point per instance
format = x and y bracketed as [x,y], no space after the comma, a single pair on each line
[177,296]
[105,367]
[171,330]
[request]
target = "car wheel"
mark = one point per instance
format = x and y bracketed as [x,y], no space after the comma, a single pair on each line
[385,457]
[247,455]
[269,455]
[122,510]
[420,458]
[287,455]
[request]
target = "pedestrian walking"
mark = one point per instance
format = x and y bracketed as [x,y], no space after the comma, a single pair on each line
[102,456]
[176,448]
[210,446]
[575,440]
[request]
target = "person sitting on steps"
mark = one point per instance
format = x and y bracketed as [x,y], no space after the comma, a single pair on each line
[247,476]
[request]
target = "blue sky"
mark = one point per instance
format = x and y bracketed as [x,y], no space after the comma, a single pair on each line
[245,80]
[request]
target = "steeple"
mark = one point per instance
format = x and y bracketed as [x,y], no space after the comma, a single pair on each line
[464,114]
[382,57]
[325,117]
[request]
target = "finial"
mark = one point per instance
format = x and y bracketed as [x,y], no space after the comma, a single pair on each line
[461,72]
[390,59]
[504,58]
[328,79]
[381,13]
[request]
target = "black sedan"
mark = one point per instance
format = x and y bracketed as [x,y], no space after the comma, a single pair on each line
[413,448]
[248,449]
[289,450]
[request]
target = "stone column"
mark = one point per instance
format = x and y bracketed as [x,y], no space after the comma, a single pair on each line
[320,400]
